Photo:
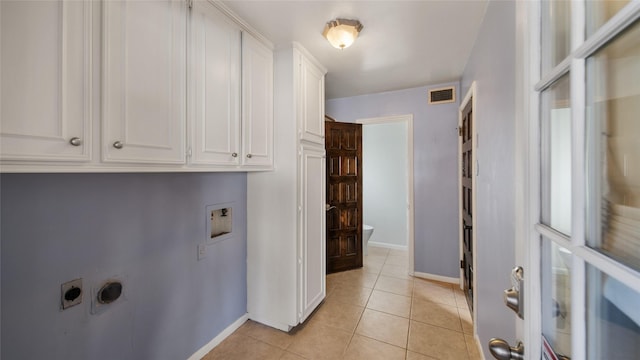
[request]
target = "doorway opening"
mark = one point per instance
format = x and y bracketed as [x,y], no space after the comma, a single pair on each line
[388,183]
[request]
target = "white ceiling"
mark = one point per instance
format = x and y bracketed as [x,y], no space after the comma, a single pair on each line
[403,44]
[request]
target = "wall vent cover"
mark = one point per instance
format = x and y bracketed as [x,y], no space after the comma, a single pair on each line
[442,95]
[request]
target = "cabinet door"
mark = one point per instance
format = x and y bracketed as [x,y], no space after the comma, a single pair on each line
[311,249]
[215,104]
[46,80]
[257,102]
[144,97]
[311,117]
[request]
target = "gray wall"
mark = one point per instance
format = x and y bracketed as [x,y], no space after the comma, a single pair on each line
[384,197]
[492,66]
[435,169]
[141,228]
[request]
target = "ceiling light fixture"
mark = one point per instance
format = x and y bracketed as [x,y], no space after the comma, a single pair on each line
[341,33]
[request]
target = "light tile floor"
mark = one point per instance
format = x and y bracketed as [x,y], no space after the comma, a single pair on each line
[377,312]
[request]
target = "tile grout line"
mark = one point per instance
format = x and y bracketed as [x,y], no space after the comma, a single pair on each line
[409,327]
[366,307]
[360,317]
[381,341]
[438,326]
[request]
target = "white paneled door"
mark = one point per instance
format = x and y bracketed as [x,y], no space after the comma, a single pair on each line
[312,248]
[46,80]
[257,102]
[144,81]
[312,106]
[215,97]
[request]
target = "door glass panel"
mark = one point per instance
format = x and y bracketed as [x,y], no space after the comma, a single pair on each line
[556,32]
[556,156]
[598,12]
[613,318]
[556,296]
[613,148]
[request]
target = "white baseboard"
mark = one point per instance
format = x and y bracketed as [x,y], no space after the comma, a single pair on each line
[387,246]
[440,278]
[219,338]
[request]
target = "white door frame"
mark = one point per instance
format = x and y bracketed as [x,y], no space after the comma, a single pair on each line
[470,96]
[527,173]
[408,119]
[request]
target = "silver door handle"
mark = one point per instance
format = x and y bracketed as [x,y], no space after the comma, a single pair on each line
[329,207]
[501,350]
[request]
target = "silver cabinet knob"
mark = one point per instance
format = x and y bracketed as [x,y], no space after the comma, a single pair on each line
[118,145]
[249,156]
[75,141]
[234,155]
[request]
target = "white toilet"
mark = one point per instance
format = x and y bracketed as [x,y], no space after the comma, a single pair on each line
[367,230]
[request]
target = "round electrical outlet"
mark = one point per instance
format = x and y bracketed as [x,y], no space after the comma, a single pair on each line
[110,292]
[72,294]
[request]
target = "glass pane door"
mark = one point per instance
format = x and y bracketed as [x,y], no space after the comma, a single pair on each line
[613,318]
[588,231]
[556,295]
[556,159]
[613,101]
[613,193]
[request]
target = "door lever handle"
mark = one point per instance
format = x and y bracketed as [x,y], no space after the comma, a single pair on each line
[329,207]
[501,350]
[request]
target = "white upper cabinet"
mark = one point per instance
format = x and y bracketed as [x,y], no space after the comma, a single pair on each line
[257,102]
[154,85]
[144,81]
[215,95]
[311,102]
[45,68]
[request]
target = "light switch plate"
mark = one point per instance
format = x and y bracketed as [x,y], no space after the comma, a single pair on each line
[202,251]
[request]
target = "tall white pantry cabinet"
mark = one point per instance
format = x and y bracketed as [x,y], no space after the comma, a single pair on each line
[286,256]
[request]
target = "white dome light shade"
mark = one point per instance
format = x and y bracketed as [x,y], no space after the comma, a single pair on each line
[341,33]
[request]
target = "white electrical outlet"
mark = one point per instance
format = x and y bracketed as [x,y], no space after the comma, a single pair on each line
[202,251]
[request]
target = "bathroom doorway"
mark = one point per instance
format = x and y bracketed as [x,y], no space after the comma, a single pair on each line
[387,145]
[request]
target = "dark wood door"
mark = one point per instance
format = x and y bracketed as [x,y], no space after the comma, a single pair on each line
[344,196]
[466,140]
